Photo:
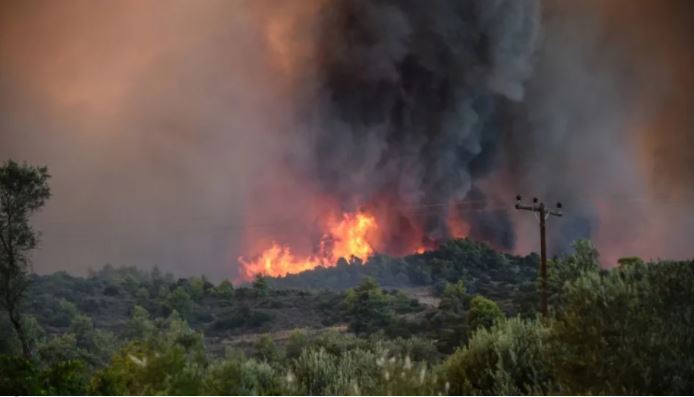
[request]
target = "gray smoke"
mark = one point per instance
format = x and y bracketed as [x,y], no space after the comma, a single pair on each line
[412,101]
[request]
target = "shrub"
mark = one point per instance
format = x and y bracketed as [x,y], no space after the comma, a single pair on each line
[508,358]
[483,313]
[627,331]
[367,307]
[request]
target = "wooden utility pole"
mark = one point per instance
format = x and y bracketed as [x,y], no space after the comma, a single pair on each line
[543,213]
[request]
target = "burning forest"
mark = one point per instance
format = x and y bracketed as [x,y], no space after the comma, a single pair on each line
[343,197]
[405,120]
[427,119]
[285,135]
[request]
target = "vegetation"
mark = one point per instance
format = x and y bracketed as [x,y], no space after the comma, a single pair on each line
[119,331]
[458,320]
[23,191]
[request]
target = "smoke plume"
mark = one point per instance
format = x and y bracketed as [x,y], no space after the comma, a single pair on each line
[408,106]
[186,134]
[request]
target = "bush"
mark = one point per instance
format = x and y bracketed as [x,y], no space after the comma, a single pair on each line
[237,376]
[316,372]
[483,313]
[18,376]
[627,331]
[171,361]
[368,307]
[179,300]
[225,290]
[508,358]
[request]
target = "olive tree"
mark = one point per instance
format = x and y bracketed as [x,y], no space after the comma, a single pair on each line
[23,190]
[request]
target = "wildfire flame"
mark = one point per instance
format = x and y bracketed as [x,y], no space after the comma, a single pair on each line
[347,236]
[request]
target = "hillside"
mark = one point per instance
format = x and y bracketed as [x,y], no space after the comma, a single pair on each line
[485,271]
[309,301]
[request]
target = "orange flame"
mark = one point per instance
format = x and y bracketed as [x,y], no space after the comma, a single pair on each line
[348,236]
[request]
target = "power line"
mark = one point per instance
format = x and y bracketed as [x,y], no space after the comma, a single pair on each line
[544,213]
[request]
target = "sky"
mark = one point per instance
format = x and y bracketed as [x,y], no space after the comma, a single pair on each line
[167,125]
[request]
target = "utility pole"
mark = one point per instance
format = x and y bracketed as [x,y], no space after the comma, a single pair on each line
[543,213]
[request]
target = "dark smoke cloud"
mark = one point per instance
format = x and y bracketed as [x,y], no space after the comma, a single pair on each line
[412,98]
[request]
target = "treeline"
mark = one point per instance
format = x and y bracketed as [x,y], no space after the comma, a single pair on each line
[620,331]
[482,267]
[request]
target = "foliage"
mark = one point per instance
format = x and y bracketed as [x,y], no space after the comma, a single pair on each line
[450,318]
[583,260]
[139,326]
[260,285]
[266,350]
[179,301]
[23,191]
[19,376]
[196,287]
[627,331]
[237,376]
[171,361]
[483,313]
[368,307]
[297,342]
[224,290]
[507,359]
[82,342]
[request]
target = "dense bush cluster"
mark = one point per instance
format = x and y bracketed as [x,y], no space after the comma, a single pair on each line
[624,330]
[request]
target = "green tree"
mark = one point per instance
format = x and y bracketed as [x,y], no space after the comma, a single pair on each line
[18,376]
[454,298]
[23,191]
[171,361]
[140,325]
[237,376]
[266,350]
[450,318]
[627,331]
[224,290]
[583,260]
[260,285]
[298,340]
[483,313]
[66,378]
[196,288]
[180,301]
[367,307]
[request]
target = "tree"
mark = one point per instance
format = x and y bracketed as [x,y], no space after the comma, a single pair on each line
[450,318]
[171,360]
[368,307]
[260,285]
[483,313]
[23,191]
[224,290]
[626,331]
[140,325]
[583,260]
[266,350]
[180,301]
[507,359]
[196,288]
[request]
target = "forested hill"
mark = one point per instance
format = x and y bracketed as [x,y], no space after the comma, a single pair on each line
[485,271]
[123,330]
